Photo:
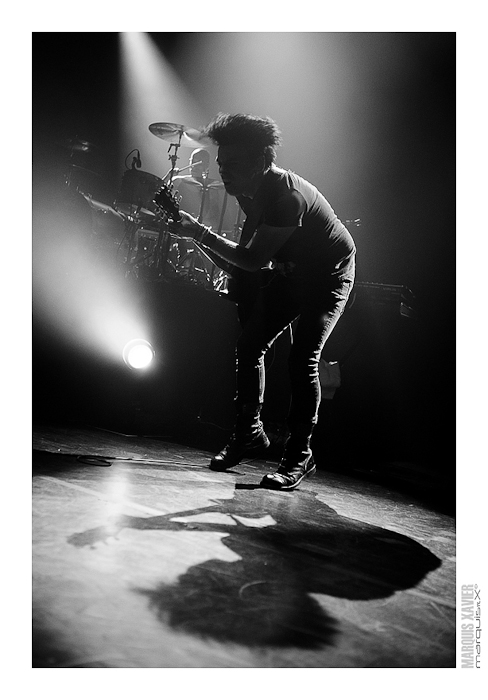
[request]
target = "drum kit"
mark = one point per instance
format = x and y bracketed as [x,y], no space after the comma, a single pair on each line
[148,249]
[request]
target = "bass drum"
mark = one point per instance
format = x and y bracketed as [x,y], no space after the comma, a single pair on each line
[136,194]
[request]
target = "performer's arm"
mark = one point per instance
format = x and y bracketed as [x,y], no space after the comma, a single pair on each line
[266,241]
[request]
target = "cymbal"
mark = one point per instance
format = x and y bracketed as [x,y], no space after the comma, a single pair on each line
[77,145]
[191,138]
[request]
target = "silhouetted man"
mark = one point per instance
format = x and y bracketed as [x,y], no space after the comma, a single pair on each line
[295,260]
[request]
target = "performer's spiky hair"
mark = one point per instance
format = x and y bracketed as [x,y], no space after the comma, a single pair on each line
[260,134]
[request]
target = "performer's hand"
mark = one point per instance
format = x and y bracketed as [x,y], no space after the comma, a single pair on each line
[188,227]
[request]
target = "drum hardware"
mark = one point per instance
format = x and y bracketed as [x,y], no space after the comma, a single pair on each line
[221,223]
[177,135]
[150,245]
[145,247]
[162,249]
[135,196]
[133,224]
[76,172]
[81,179]
[139,252]
[220,282]
[77,144]
[100,207]
[131,227]
[187,267]
[195,252]
[136,160]
[204,188]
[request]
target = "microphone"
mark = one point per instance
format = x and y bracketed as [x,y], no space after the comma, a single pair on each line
[136,161]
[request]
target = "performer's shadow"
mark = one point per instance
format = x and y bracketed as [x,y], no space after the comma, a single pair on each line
[290,546]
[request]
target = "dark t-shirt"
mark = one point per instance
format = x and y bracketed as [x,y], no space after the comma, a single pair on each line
[321,249]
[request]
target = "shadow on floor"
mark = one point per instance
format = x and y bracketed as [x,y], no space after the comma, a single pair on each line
[289,546]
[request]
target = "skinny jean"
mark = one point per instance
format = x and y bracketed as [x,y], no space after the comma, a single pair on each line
[277,305]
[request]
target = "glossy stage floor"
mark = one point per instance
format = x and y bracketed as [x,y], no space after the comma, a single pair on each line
[144,558]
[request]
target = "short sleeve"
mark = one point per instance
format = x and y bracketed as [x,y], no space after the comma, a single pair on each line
[286,211]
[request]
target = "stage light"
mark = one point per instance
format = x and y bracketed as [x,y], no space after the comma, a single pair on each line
[152,92]
[138,354]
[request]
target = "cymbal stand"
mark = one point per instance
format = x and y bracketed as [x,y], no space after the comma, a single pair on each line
[161,252]
[173,157]
[191,269]
[162,246]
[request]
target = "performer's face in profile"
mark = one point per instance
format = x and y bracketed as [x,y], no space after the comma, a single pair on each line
[239,173]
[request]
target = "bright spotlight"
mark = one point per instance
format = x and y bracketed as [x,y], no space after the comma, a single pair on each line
[138,354]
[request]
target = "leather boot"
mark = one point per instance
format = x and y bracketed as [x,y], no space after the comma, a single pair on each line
[248,436]
[297,462]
